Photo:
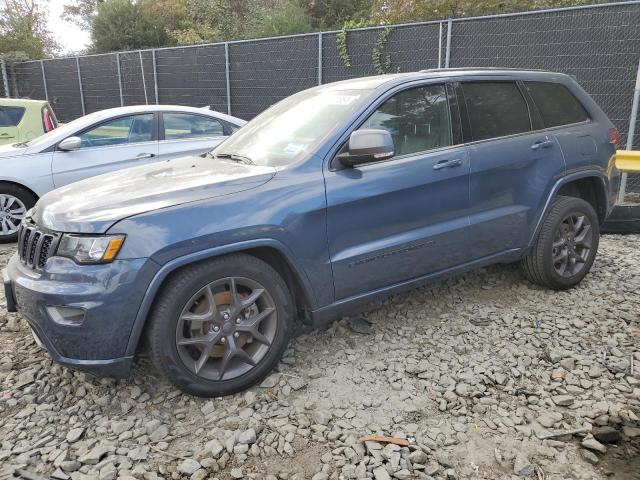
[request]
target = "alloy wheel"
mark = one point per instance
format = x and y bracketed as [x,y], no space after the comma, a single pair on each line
[226,328]
[572,245]
[12,211]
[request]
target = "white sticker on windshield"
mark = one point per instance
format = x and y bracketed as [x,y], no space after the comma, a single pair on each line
[294,148]
[337,99]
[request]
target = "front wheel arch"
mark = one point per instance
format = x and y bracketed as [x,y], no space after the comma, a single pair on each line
[268,251]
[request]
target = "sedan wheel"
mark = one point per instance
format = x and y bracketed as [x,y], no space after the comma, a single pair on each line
[15,202]
[12,211]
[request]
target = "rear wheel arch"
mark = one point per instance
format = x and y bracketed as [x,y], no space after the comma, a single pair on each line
[592,189]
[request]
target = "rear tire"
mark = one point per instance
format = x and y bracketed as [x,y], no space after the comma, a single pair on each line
[566,245]
[210,341]
[15,201]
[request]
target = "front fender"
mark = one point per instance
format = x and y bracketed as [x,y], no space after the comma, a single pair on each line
[173,265]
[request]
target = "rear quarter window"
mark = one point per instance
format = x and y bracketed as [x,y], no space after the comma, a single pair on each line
[10,116]
[556,104]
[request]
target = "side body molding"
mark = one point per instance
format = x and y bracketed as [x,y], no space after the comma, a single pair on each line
[182,261]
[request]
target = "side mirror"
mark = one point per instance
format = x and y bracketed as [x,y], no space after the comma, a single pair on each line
[367,145]
[70,144]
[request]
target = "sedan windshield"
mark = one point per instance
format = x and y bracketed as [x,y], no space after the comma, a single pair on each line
[290,129]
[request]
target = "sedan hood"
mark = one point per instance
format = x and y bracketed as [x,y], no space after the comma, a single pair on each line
[11,151]
[95,204]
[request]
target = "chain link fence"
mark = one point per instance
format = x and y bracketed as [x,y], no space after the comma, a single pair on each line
[599,45]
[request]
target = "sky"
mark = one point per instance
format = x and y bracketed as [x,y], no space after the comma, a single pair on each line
[72,39]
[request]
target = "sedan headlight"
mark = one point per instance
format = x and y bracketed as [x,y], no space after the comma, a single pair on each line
[90,249]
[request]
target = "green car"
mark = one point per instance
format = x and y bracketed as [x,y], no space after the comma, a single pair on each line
[22,120]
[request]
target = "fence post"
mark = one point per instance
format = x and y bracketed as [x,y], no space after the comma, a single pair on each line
[119,79]
[632,130]
[80,86]
[440,45]
[226,66]
[155,74]
[447,56]
[144,83]
[319,58]
[44,81]
[5,79]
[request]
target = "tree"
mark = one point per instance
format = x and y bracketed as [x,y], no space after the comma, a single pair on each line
[125,25]
[330,14]
[23,31]
[395,11]
[284,17]
[81,12]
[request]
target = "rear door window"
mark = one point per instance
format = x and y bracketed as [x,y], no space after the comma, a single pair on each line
[495,109]
[10,116]
[556,104]
[184,125]
[417,119]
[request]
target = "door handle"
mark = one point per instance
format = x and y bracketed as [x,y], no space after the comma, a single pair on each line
[145,155]
[542,144]
[447,164]
[5,135]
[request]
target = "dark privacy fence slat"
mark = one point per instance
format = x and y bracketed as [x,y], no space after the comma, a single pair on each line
[192,76]
[265,72]
[598,45]
[99,83]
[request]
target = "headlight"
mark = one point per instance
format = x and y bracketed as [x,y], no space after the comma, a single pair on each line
[90,249]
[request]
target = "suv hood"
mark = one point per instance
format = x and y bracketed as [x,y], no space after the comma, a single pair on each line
[95,204]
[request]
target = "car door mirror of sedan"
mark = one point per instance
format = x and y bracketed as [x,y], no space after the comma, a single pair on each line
[70,144]
[367,145]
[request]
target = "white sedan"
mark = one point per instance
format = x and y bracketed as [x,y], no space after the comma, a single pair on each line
[101,142]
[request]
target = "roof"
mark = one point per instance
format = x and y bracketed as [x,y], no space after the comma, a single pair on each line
[367,83]
[21,102]
[110,112]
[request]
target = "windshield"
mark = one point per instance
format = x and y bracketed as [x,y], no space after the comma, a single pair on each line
[287,131]
[63,130]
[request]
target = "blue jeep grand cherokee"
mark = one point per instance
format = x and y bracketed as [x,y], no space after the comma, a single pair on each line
[333,197]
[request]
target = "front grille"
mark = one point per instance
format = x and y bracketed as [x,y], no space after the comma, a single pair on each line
[35,246]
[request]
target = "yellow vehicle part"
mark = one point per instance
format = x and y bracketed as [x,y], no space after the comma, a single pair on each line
[628,161]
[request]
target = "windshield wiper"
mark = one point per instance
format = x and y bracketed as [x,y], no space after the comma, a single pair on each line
[234,157]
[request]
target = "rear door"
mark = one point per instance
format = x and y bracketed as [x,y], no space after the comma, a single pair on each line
[10,117]
[513,164]
[114,144]
[565,118]
[399,219]
[183,134]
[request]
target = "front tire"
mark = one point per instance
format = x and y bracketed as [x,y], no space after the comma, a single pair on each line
[566,245]
[15,201]
[220,326]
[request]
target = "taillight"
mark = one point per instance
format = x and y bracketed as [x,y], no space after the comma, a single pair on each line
[614,136]
[47,123]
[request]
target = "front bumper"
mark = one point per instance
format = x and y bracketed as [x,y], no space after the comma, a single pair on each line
[104,301]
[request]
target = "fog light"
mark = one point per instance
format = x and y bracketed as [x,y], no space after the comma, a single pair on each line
[68,316]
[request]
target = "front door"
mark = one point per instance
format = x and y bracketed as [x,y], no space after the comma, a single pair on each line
[112,145]
[402,218]
[512,164]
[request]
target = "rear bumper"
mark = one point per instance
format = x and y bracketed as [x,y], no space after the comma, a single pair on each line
[82,314]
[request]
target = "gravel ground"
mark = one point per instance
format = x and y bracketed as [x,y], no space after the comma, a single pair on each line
[485,375]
